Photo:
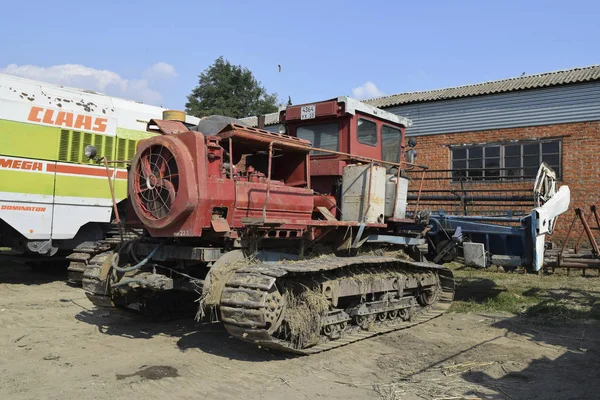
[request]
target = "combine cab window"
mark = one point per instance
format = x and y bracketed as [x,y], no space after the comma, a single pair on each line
[366,132]
[323,136]
[390,140]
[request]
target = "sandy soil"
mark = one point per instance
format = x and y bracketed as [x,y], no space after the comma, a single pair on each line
[54,345]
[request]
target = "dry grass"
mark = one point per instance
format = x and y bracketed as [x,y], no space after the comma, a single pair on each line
[211,293]
[303,317]
[554,296]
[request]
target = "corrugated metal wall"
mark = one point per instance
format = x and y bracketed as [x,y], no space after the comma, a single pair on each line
[559,104]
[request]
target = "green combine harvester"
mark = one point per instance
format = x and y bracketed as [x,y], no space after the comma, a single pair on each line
[55,203]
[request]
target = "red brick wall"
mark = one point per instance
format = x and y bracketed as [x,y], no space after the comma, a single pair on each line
[580,158]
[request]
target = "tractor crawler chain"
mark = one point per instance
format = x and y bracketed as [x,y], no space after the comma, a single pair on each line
[83,254]
[94,283]
[251,307]
[154,305]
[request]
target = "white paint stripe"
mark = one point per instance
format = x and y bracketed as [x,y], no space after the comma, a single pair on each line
[40,167]
[44,199]
[89,201]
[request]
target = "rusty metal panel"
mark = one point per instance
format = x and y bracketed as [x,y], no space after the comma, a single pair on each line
[252,196]
[254,135]
[165,127]
[322,109]
[220,225]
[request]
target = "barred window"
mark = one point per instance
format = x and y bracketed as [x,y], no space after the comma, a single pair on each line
[515,160]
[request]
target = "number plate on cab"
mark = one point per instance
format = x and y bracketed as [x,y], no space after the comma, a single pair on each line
[307,112]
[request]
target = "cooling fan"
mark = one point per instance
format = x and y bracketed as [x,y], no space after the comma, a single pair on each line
[156,181]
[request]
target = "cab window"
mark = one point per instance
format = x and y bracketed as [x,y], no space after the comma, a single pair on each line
[323,136]
[366,132]
[390,144]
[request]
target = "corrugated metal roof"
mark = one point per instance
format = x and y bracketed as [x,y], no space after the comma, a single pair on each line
[575,75]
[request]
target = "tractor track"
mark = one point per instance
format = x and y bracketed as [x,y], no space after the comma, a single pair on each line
[243,316]
[246,293]
[83,254]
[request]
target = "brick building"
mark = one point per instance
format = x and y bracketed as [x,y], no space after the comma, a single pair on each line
[492,136]
[497,133]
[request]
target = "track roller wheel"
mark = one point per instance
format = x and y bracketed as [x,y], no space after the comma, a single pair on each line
[274,310]
[404,314]
[364,321]
[333,331]
[428,297]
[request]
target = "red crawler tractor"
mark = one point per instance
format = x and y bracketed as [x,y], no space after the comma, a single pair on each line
[245,216]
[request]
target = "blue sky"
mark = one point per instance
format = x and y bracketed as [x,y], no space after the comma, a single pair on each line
[152,51]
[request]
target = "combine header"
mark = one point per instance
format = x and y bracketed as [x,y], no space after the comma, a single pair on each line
[293,239]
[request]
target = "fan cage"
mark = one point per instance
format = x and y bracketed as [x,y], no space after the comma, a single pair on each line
[156,182]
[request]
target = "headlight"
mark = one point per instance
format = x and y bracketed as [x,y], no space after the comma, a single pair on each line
[90,151]
[281,129]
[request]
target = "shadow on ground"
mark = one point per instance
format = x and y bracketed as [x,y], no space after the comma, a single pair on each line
[476,289]
[567,304]
[20,273]
[571,375]
[558,317]
[211,338]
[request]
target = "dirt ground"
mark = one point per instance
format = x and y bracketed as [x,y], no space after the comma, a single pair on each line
[54,345]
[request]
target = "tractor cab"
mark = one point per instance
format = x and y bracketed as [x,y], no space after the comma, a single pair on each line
[347,131]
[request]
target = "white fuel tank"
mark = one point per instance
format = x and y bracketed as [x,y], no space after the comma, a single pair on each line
[357,203]
[390,194]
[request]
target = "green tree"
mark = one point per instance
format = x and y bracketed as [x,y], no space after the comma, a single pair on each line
[231,90]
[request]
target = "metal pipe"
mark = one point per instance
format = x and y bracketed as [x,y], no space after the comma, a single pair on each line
[571,264]
[264,210]
[470,190]
[580,235]
[420,188]
[306,171]
[564,245]
[230,159]
[473,198]
[112,194]
[397,192]
[588,231]
[261,136]
[593,210]
[364,218]
[117,161]
[521,208]
[479,218]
